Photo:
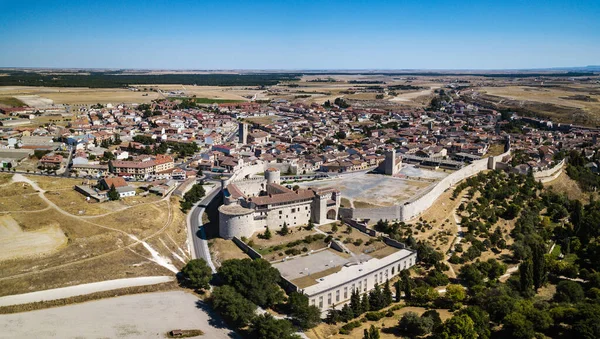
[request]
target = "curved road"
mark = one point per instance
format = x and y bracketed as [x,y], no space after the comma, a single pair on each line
[198,244]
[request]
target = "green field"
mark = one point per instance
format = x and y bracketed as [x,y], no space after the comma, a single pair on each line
[217,101]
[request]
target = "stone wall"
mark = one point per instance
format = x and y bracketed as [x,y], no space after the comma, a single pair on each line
[414,207]
[549,174]
[247,249]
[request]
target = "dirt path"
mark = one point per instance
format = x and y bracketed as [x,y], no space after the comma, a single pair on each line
[21,178]
[72,291]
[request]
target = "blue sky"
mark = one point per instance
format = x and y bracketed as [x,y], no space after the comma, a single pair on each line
[299,34]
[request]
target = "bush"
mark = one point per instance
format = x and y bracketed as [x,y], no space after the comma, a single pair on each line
[346,329]
[374,316]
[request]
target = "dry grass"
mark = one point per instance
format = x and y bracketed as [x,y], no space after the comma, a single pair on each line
[222,249]
[331,331]
[28,203]
[16,189]
[568,186]
[139,220]
[51,183]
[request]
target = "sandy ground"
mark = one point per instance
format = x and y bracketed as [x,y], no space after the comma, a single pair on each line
[149,315]
[15,243]
[406,97]
[72,291]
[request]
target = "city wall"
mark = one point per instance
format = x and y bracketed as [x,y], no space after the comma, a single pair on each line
[414,207]
[549,174]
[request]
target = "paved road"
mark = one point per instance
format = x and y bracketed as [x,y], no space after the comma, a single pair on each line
[71,291]
[199,245]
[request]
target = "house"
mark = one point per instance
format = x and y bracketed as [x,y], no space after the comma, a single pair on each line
[120,185]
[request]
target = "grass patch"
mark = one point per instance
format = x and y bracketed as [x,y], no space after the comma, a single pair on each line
[556,251]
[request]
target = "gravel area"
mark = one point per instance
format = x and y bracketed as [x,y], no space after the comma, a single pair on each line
[149,315]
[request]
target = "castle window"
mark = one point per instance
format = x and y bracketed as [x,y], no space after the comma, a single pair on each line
[365,287]
[337,296]
[280,212]
[346,292]
[321,302]
[293,210]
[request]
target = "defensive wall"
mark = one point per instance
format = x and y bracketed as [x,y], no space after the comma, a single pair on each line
[413,207]
[550,173]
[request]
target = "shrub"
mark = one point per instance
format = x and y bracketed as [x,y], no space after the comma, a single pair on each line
[374,316]
[346,329]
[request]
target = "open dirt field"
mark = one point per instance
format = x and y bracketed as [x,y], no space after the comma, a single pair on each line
[148,315]
[568,186]
[17,244]
[139,236]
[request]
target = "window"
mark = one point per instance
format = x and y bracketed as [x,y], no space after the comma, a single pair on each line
[306,208]
[381,276]
[280,212]
[360,285]
[365,286]
[321,302]
[346,292]
[393,270]
[337,296]
[386,272]
[353,287]
[312,302]
[375,278]
[293,210]
[329,299]
[405,265]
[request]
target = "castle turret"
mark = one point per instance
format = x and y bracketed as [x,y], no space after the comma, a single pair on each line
[273,176]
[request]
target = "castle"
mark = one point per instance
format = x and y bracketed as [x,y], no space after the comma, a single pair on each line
[251,205]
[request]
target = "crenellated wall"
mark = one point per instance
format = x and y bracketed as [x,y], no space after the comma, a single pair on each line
[549,174]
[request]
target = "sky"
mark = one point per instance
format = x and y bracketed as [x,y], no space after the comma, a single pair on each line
[222,34]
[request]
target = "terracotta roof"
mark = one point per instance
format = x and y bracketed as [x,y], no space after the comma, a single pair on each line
[300,194]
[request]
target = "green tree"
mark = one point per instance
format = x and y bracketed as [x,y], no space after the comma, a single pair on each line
[334,228]
[256,279]
[371,333]
[267,235]
[481,320]
[516,325]
[412,325]
[455,294]
[284,230]
[526,278]
[457,327]
[540,270]
[235,309]
[265,326]
[387,294]
[569,291]
[302,313]
[355,303]
[197,273]
[112,193]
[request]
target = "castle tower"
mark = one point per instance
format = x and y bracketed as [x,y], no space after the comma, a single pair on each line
[273,176]
[390,162]
[243,133]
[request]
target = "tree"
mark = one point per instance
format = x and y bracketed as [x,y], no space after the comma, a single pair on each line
[517,326]
[302,313]
[197,273]
[256,279]
[526,277]
[457,327]
[333,316]
[481,320]
[540,271]
[455,293]
[355,303]
[398,288]
[470,275]
[371,333]
[265,326]
[423,295]
[112,193]
[406,284]
[310,225]
[284,230]
[235,309]
[267,235]
[334,228]
[569,291]
[413,326]
[387,294]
